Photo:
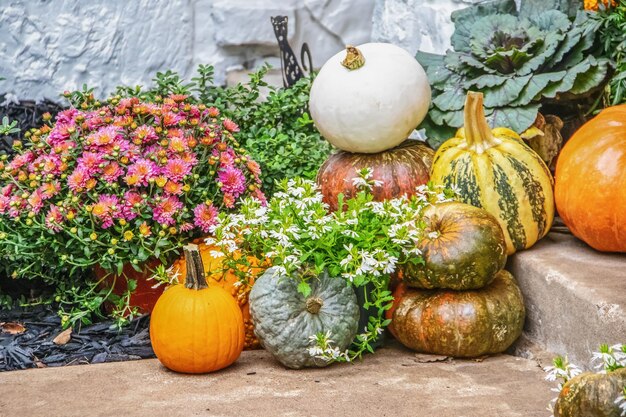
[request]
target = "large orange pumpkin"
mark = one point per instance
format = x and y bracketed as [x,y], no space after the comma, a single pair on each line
[217,275]
[590,187]
[195,327]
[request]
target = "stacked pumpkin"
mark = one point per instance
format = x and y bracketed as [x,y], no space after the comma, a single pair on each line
[367,105]
[459,302]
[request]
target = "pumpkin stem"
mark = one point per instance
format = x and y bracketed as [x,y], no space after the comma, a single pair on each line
[477,131]
[314,305]
[354,58]
[195,278]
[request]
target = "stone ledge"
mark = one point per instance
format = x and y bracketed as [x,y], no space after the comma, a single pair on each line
[389,383]
[575,296]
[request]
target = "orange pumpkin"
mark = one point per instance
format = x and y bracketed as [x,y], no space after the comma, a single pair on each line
[196,328]
[590,183]
[216,275]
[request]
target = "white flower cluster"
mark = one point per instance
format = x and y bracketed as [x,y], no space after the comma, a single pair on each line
[322,348]
[609,358]
[296,226]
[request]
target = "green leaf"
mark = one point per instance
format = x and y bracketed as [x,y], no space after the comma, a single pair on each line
[428,60]
[536,85]
[569,79]
[436,134]
[485,81]
[530,8]
[571,40]
[304,288]
[447,118]
[591,79]
[517,119]
[464,19]
[451,100]
[505,93]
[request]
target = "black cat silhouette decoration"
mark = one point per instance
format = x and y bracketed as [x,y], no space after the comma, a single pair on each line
[292,71]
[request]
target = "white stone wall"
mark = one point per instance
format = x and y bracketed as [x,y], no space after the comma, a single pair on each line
[50,46]
[422,25]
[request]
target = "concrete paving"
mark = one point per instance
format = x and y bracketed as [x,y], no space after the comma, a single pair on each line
[392,382]
[575,296]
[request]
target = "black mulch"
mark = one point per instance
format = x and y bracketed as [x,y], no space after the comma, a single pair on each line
[28,114]
[97,343]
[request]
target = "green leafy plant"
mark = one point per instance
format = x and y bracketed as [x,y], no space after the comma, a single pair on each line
[518,60]
[6,128]
[612,33]
[363,244]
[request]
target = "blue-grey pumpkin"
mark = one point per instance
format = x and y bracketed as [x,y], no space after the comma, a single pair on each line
[284,319]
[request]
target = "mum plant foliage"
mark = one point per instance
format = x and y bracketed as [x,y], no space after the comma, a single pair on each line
[363,244]
[519,60]
[118,183]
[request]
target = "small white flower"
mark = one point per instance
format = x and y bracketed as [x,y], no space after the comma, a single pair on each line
[350,233]
[217,254]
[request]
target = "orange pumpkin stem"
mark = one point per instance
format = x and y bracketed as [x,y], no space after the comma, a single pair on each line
[195,278]
[477,131]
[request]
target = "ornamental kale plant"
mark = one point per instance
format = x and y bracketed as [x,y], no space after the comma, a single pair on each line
[363,244]
[518,60]
[117,183]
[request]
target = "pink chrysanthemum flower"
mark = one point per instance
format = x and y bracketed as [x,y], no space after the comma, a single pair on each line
[228,200]
[230,125]
[50,189]
[20,160]
[59,133]
[111,172]
[259,195]
[35,200]
[145,134]
[178,97]
[185,227]
[226,157]
[16,206]
[54,219]
[77,180]
[172,187]
[106,209]
[233,181]
[7,190]
[133,202]
[171,119]
[67,116]
[165,210]
[176,169]
[254,168]
[4,204]
[142,170]
[90,161]
[213,112]
[104,136]
[205,216]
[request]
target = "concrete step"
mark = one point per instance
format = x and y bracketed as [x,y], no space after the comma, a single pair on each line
[392,382]
[575,296]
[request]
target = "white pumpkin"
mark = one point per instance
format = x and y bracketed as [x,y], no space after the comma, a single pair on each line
[371,107]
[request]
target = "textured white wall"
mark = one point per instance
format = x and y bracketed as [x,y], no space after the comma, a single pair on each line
[47,46]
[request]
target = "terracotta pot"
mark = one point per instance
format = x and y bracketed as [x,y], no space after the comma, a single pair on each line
[144,296]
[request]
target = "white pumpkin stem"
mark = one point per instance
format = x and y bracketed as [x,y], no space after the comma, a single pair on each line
[195,278]
[477,130]
[354,58]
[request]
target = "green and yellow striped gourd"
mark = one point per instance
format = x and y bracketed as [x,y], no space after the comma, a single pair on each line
[496,170]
